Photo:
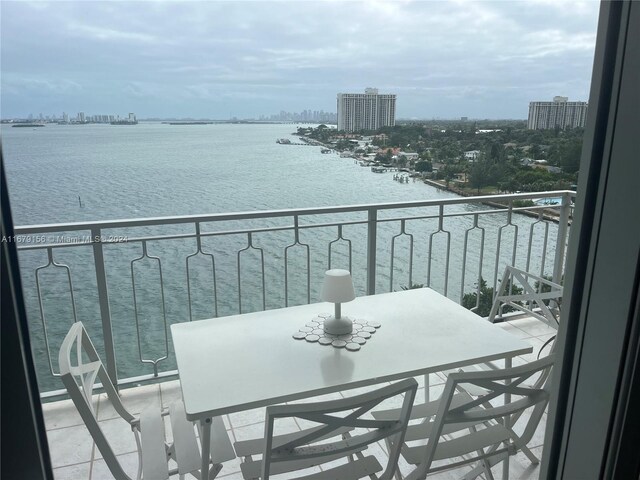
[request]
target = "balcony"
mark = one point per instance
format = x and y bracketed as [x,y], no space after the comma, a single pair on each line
[128,280]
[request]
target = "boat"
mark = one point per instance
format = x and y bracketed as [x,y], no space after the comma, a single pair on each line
[325,150]
[283,141]
[24,125]
[548,201]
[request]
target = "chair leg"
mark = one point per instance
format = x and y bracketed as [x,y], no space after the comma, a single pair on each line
[215,470]
[139,447]
[397,474]
[529,454]
[487,469]
[480,468]
[505,468]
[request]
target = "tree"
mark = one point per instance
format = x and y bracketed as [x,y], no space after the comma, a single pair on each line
[535,151]
[423,166]
[469,300]
[343,144]
[479,174]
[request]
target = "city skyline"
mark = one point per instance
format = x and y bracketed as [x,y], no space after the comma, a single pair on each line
[247,59]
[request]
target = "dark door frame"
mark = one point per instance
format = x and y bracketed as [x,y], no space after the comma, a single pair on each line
[590,418]
[24,448]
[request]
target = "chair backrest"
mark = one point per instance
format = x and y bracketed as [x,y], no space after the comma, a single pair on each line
[507,395]
[81,369]
[312,446]
[538,293]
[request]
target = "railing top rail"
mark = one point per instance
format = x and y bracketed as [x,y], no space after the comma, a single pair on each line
[217,217]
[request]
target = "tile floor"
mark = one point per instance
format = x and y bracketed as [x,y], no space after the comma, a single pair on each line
[75,456]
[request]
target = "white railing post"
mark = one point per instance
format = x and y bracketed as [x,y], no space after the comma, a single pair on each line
[372,231]
[103,298]
[561,241]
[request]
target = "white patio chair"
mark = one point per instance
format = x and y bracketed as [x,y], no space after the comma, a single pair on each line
[543,305]
[342,433]
[80,372]
[460,428]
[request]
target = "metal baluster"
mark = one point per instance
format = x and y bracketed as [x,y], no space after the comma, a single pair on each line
[561,242]
[515,246]
[446,268]
[286,263]
[52,263]
[164,311]
[105,309]
[480,260]
[543,257]
[372,231]
[199,251]
[340,237]
[393,246]
[540,220]
[250,246]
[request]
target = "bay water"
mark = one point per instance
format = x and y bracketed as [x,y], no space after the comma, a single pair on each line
[86,173]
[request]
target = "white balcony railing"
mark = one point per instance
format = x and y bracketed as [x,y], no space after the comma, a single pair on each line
[127,280]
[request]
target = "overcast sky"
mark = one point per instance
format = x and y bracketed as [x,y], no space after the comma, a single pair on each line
[218,59]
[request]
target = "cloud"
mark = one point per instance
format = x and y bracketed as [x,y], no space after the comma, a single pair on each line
[169,58]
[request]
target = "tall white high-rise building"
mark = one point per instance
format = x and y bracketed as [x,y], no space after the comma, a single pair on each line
[366,111]
[559,113]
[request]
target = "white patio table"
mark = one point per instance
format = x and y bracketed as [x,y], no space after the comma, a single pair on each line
[240,362]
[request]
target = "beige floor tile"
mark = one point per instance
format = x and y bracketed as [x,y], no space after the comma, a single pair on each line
[74,472]
[119,436]
[247,417]
[69,445]
[520,468]
[534,327]
[514,330]
[325,398]
[537,439]
[129,463]
[286,425]
[134,400]
[63,413]
[170,392]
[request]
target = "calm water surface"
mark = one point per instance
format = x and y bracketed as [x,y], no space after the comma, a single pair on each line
[152,170]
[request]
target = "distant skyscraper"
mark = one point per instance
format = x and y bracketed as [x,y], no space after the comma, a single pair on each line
[366,111]
[81,117]
[559,113]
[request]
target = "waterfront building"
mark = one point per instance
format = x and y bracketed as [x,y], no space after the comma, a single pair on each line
[366,111]
[472,155]
[559,113]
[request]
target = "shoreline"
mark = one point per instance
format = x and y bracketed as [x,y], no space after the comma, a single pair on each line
[547,214]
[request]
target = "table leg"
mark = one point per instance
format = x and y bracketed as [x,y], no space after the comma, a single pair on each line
[508,363]
[205,441]
[426,388]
